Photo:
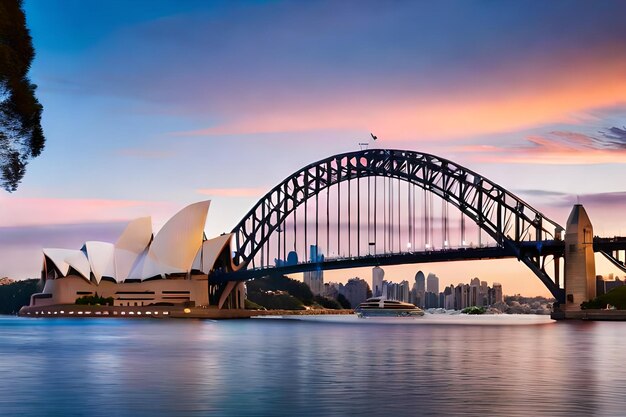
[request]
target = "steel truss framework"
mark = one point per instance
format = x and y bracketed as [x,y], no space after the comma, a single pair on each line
[612,249]
[506,218]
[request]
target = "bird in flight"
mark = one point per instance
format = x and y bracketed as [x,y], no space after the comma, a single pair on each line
[373,137]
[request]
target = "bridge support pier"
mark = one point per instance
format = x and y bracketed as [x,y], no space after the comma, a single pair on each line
[580,266]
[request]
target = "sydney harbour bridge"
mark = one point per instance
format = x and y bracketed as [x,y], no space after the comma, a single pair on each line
[390,207]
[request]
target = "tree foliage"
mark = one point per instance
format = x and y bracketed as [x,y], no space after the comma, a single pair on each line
[275,301]
[297,289]
[16,295]
[327,302]
[616,298]
[343,301]
[21,135]
[94,300]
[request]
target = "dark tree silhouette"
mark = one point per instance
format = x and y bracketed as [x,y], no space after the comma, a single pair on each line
[343,301]
[21,136]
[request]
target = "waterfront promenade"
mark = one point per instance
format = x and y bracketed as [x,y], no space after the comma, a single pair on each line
[211,312]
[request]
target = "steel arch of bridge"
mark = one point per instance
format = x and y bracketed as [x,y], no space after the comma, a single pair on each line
[499,213]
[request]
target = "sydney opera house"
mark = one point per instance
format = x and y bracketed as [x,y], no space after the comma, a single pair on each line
[141,269]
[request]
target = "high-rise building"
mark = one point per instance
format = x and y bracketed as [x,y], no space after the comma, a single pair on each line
[404,291]
[413,294]
[432,300]
[420,289]
[458,297]
[473,295]
[315,279]
[355,291]
[475,299]
[378,275]
[432,283]
[491,296]
[420,281]
[390,290]
[448,297]
[498,292]
[465,296]
[484,289]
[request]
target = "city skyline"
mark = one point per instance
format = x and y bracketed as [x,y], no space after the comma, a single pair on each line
[424,292]
[121,97]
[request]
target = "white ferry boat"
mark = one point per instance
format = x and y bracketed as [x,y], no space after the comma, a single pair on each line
[381,307]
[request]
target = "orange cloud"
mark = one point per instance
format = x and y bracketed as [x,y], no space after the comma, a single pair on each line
[560,148]
[556,95]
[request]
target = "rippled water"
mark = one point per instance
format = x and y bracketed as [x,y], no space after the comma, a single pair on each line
[322,366]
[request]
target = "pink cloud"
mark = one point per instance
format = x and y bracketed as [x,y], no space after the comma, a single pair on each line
[558,148]
[40,211]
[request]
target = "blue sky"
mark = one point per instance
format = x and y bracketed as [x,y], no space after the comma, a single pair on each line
[151,105]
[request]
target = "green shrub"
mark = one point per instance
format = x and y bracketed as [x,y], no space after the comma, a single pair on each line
[616,298]
[94,300]
[474,310]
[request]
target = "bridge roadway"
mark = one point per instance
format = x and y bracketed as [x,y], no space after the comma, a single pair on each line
[606,246]
[550,247]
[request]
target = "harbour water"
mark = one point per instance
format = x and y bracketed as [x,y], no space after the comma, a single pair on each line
[312,366]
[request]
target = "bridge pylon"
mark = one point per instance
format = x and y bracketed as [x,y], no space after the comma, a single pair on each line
[580,265]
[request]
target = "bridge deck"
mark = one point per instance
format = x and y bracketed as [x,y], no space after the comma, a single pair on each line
[457,254]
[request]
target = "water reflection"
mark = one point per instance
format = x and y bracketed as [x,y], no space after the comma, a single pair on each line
[320,366]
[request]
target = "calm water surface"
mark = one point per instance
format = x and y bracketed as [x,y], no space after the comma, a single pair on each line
[320,366]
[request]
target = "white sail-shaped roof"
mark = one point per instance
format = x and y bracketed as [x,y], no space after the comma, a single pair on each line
[101,257]
[57,256]
[77,260]
[131,244]
[207,255]
[175,246]
[137,272]
[197,261]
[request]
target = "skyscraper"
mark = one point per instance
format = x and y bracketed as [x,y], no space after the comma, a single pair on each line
[315,279]
[498,290]
[420,280]
[378,275]
[475,299]
[449,294]
[404,291]
[484,289]
[420,289]
[465,296]
[432,283]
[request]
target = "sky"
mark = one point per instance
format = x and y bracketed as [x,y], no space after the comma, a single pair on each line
[152,105]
